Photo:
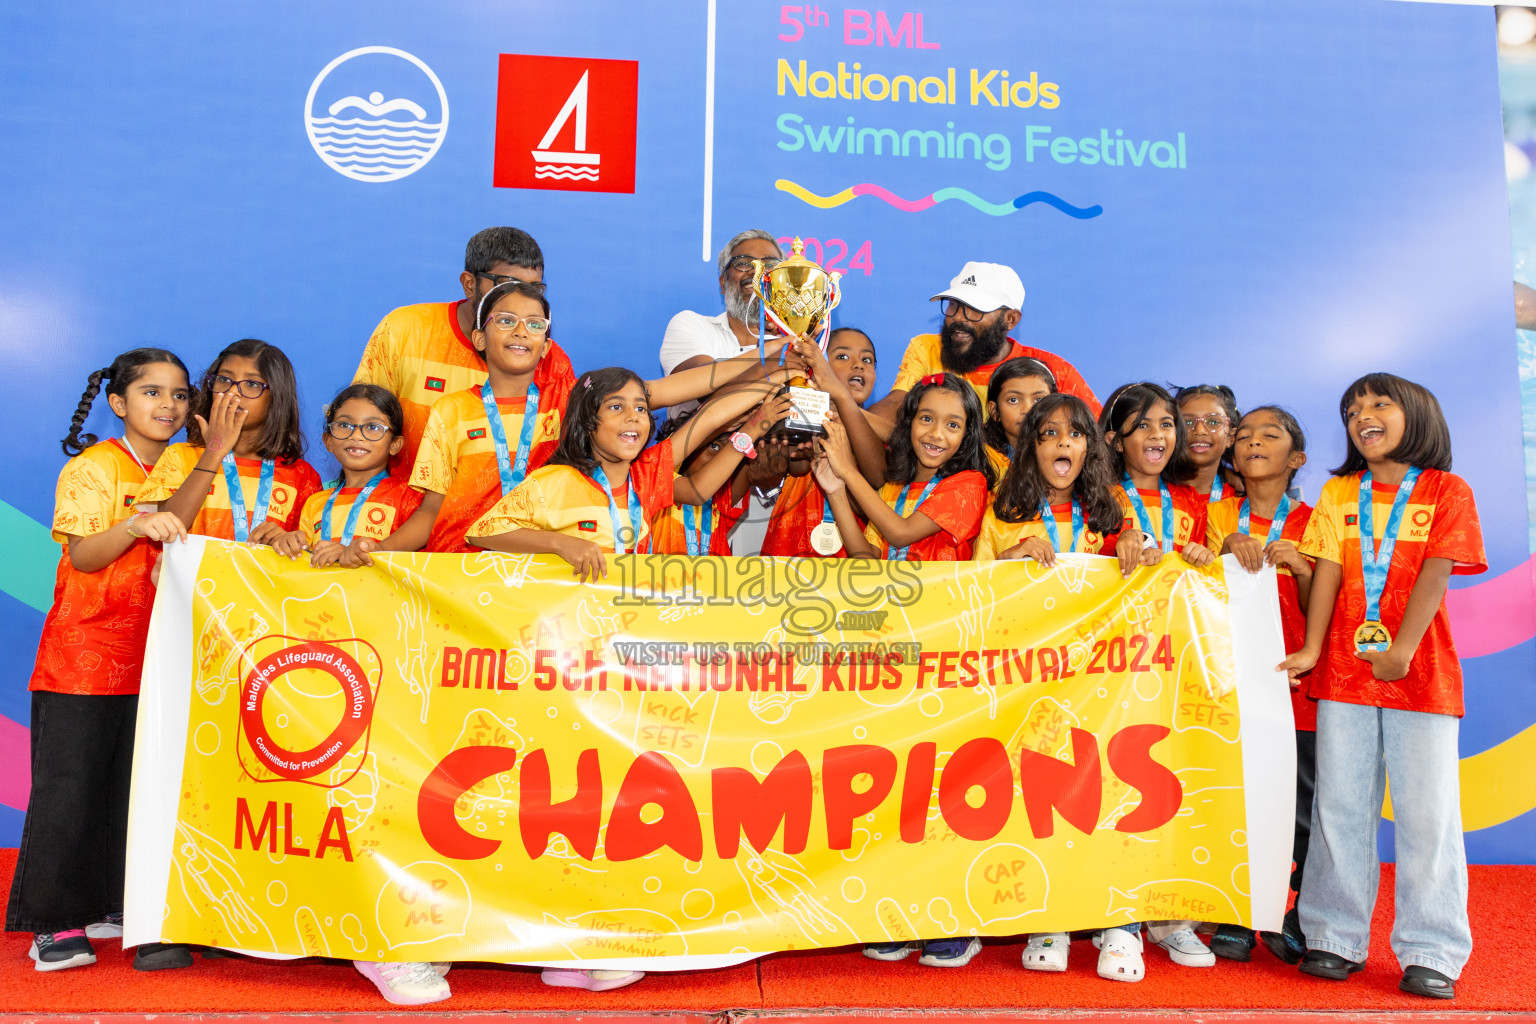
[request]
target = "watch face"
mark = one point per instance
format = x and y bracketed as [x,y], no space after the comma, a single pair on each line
[742,442]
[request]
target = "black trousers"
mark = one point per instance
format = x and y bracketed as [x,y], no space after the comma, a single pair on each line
[69,870]
[1306,787]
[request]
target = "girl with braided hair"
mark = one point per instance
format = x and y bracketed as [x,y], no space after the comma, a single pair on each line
[69,872]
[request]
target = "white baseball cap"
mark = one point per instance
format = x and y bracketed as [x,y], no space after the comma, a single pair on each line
[985,287]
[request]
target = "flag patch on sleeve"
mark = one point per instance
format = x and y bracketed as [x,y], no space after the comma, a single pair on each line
[1351,520]
[435,384]
[587,524]
[477,432]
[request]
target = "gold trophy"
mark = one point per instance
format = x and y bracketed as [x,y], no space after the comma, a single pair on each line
[798,297]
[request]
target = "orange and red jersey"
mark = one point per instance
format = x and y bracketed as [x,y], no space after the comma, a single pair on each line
[419,353]
[93,636]
[796,513]
[388,507]
[291,487]
[457,459]
[562,499]
[997,536]
[1189,516]
[1439,522]
[669,529]
[957,505]
[925,355]
[1222,521]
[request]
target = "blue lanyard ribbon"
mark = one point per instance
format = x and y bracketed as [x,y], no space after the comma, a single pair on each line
[1048,517]
[1216,489]
[511,473]
[698,537]
[896,554]
[349,528]
[1144,520]
[1374,563]
[245,524]
[1276,525]
[636,512]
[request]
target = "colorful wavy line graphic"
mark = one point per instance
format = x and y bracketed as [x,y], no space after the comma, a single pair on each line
[928,202]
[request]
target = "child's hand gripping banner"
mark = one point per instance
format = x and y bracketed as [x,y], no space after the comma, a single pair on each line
[477,758]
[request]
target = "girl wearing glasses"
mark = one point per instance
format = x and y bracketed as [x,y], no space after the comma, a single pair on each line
[241,474]
[364,429]
[1210,416]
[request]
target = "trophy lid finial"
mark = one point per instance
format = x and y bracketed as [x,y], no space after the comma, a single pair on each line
[798,248]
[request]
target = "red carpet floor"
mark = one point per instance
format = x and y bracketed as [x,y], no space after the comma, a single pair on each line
[1501,977]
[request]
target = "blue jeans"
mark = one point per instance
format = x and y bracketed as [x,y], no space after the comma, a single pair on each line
[1358,747]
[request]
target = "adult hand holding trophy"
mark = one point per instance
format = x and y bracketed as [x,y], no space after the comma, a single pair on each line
[798,296]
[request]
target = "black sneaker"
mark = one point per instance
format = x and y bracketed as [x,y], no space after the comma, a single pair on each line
[161,956]
[1289,944]
[1426,981]
[54,951]
[1322,964]
[1232,942]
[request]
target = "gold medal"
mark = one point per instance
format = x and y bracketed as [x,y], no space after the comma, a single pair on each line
[825,539]
[1372,636]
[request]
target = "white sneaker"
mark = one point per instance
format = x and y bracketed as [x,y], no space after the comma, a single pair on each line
[1185,948]
[407,984]
[1047,951]
[592,981]
[1120,955]
[442,967]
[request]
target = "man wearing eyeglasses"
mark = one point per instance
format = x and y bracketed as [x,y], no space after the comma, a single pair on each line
[981,305]
[693,339]
[423,352]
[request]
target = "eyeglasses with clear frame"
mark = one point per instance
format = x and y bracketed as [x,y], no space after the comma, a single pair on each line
[1213,423]
[508,322]
[500,279]
[742,264]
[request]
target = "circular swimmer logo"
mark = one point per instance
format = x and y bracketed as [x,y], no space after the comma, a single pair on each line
[356,716]
[376,114]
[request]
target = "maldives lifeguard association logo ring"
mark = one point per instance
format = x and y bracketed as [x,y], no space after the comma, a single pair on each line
[358,696]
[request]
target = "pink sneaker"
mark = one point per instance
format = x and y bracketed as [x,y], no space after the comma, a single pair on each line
[592,981]
[405,984]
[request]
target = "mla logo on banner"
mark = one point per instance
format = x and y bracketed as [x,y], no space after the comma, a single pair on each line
[566,123]
[376,114]
[267,753]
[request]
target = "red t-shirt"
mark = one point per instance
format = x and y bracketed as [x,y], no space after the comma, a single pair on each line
[958,504]
[1223,520]
[1439,522]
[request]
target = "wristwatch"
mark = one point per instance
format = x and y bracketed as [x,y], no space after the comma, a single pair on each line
[743,443]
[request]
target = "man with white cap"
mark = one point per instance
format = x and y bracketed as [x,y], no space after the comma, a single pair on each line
[981,305]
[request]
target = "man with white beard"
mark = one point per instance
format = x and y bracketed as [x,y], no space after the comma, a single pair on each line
[693,339]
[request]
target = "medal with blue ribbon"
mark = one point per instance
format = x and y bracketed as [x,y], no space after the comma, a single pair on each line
[245,524]
[636,514]
[895,554]
[698,535]
[349,528]
[1276,525]
[1217,489]
[1376,563]
[1143,519]
[825,540]
[1048,517]
[512,473]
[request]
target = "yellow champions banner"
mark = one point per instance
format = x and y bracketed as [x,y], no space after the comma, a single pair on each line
[478,758]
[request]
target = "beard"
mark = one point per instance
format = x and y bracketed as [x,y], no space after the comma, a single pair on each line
[985,346]
[742,307]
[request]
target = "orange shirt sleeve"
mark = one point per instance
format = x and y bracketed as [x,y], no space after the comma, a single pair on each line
[437,460]
[1456,533]
[958,504]
[169,474]
[920,359]
[381,358]
[1325,530]
[85,501]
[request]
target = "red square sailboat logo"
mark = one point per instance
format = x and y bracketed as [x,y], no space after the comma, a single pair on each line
[566,123]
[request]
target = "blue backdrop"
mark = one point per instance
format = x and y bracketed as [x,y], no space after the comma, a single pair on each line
[1277,195]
